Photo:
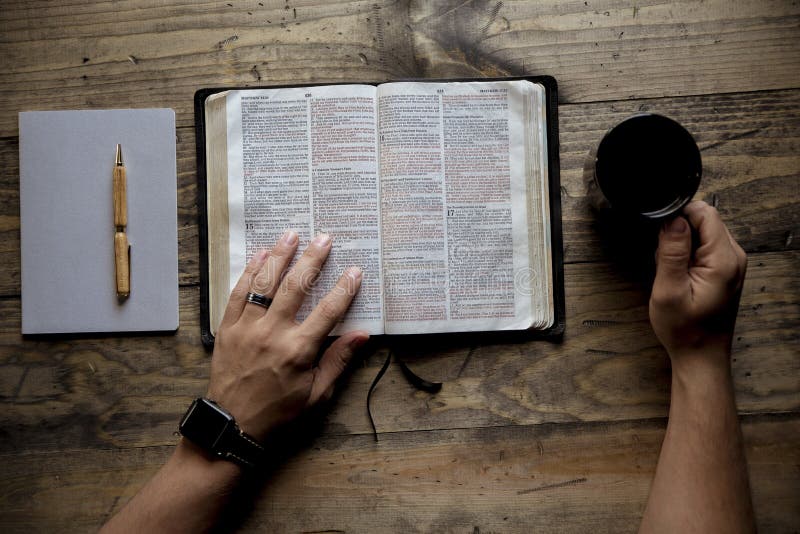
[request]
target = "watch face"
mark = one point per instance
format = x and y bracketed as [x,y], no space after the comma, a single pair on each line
[204,423]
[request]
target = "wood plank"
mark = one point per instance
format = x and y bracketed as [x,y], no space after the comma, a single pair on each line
[61,393]
[132,56]
[751,158]
[120,54]
[508,479]
[607,50]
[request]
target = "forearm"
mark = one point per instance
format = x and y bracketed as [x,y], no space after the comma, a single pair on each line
[701,482]
[186,495]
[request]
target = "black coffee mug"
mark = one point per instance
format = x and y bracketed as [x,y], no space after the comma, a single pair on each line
[647,165]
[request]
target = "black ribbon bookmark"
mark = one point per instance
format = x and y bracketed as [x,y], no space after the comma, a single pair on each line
[413,379]
[372,388]
[417,381]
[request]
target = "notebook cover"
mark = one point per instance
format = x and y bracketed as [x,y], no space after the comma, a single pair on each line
[551,94]
[67,224]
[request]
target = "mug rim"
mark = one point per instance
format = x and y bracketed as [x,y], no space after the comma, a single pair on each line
[677,204]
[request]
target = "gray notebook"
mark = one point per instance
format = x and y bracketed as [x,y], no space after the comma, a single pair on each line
[67,224]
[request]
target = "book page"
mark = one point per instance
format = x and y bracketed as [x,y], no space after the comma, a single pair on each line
[456,207]
[307,159]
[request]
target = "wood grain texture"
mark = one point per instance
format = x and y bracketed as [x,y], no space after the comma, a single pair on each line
[563,477]
[156,54]
[122,265]
[137,55]
[610,367]
[751,157]
[750,149]
[525,435]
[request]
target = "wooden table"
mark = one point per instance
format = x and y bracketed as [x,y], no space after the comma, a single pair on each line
[524,437]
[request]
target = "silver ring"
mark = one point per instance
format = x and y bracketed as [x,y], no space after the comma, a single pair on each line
[259,300]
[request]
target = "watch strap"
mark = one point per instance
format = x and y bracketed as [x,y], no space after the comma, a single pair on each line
[239,447]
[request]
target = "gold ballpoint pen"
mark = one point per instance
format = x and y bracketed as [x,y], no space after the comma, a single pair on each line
[122,259]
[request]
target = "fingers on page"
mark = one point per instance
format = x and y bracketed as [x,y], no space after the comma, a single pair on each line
[333,306]
[237,300]
[298,281]
[265,281]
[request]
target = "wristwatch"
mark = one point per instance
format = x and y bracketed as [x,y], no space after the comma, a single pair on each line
[209,426]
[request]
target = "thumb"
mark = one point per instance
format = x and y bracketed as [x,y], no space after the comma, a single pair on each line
[333,363]
[672,257]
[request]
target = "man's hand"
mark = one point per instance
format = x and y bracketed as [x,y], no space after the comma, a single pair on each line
[262,372]
[695,297]
[263,369]
[701,480]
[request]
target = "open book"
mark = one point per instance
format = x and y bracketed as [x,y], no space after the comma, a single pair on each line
[440,192]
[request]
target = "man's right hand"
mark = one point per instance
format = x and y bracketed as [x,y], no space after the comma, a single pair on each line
[696,296]
[701,480]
